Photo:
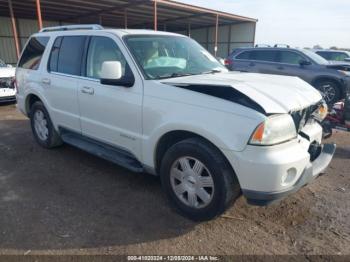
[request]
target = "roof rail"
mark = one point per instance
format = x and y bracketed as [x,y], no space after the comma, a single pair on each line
[282,45]
[71,27]
[262,45]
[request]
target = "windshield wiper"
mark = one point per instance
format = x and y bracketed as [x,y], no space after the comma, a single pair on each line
[213,71]
[173,75]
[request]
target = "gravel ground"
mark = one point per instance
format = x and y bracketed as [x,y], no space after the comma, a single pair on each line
[65,201]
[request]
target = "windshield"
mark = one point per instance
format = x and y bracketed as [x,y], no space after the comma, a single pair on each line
[171,56]
[317,58]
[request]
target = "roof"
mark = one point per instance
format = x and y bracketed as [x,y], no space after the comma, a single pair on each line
[171,14]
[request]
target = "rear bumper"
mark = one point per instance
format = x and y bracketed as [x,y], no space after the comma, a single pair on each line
[311,172]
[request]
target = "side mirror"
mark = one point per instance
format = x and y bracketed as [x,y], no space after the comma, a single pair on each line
[111,70]
[304,62]
[111,74]
[347,59]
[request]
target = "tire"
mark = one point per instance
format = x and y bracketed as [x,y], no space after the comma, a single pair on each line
[223,187]
[46,137]
[330,91]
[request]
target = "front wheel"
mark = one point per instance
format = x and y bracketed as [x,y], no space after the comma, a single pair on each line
[198,180]
[330,91]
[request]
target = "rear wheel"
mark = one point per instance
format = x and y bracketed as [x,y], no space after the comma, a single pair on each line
[198,180]
[42,127]
[329,90]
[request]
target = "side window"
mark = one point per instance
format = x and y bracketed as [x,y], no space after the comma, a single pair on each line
[103,49]
[70,54]
[31,56]
[243,55]
[290,58]
[263,55]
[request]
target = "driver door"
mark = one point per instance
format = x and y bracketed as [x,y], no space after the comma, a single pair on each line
[110,114]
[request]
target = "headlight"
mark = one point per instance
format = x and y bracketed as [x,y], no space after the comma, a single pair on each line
[343,72]
[274,130]
[321,112]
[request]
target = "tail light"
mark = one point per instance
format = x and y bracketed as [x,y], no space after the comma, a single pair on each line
[228,62]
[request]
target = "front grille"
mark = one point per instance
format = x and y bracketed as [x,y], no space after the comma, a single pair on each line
[301,117]
[6,82]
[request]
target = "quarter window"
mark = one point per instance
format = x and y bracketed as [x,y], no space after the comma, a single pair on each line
[290,58]
[243,55]
[33,53]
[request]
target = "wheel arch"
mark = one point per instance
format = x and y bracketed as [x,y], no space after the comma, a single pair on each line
[326,78]
[171,138]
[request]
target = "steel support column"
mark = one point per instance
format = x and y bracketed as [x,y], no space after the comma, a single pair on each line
[38,11]
[14,29]
[216,34]
[155,15]
[126,19]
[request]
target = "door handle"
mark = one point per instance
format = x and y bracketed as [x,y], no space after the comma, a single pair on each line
[280,68]
[252,64]
[46,81]
[87,90]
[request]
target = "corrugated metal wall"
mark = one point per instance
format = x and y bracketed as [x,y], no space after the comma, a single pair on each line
[25,28]
[229,37]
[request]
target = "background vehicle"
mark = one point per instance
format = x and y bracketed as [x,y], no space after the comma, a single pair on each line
[331,80]
[7,88]
[158,102]
[334,55]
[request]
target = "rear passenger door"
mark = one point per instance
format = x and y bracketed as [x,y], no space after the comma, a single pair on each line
[263,61]
[63,73]
[257,61]
[110,113]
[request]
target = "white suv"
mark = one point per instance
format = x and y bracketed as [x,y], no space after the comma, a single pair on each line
[159,103]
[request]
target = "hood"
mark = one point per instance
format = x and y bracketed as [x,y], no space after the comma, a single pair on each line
[339,65]
[274,93]
[7,72]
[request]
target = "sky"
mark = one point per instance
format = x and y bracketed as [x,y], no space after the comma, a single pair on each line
[298,23]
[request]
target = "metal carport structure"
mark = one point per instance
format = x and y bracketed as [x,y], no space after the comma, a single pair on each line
[213,29]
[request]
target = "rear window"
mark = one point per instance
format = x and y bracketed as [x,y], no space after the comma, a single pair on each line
[66,55]
[33,53]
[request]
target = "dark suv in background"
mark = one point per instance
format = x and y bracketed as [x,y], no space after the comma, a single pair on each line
[331,79]
[334,55]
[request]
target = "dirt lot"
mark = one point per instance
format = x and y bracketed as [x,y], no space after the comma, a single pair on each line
[69,202]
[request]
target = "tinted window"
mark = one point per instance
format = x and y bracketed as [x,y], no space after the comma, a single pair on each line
[53,62]
[103,49]
[31,56]
[70,54]
[263,55]
[290,57]
[334,56]
[243,55]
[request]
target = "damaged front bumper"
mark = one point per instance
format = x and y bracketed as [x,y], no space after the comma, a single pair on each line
[311,172]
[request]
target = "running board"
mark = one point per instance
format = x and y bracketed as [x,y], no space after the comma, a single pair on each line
[102,150]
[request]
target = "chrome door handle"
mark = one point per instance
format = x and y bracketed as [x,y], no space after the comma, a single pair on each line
[46,81]
[87,90]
